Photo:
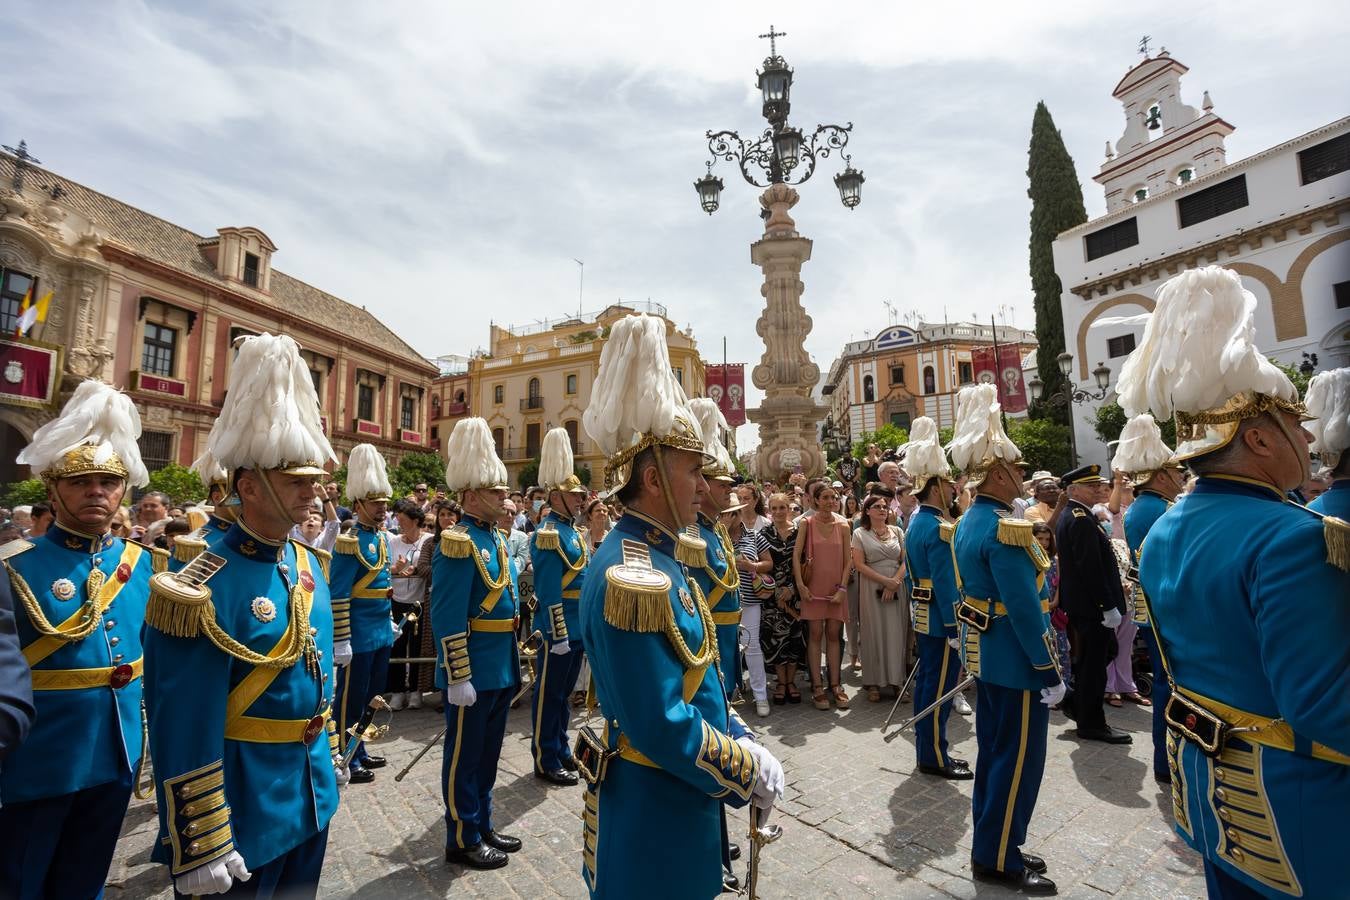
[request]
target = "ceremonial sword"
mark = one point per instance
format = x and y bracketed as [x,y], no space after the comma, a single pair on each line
[965,683]
[358,731]
[760,834]
[899,697]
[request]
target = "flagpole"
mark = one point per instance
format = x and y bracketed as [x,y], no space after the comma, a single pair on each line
[998,373]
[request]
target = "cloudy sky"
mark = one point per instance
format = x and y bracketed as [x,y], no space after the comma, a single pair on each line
[444,163]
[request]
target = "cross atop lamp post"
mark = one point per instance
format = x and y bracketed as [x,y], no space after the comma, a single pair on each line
[1071,394]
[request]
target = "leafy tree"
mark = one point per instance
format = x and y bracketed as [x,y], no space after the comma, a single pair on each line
[417,468]
[1111,421]
[1298,378]
[1044,444]
[1056,205]
[181,484]
[885,437]
[25,493]
[340,477]
[528,476]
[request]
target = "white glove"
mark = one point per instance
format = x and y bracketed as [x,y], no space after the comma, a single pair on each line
[343,773]
[1111,618]
[215,877]
[342,653]
[954,643]
[562,648]
[769,787]
[397,630]
[461,694]
[1053,695]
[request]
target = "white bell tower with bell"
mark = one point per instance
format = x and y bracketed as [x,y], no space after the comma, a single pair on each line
[1166,142]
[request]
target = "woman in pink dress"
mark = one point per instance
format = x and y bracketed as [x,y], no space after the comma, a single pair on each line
[823,548]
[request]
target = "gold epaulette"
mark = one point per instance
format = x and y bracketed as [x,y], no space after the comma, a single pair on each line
[637,596]
[946,530]
[547,538]
[15,547]
[159,559]
[1015,532]
[347,545]
[177,607]
[691,549]
[325,561]
[1336,532]
[456,543]
[186,549]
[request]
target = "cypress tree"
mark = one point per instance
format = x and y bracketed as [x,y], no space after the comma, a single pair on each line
[1056,206]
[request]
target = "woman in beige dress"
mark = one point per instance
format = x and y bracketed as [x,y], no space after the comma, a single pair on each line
[878,557]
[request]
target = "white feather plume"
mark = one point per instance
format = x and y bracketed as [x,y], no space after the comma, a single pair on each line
[271,413]
[978,437]
[712,425]
[635,392]
[473,461]
[923,455]
[1328,399]
[1141,447]
[1198,349]
[95,414]
[367,474]
[555,459]
[209,469]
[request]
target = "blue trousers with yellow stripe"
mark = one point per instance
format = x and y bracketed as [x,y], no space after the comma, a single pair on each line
[939,666]
[550,709]
[1010,728]
[1161,691]
[473,745]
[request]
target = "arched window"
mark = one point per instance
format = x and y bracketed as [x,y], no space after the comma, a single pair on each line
[533,389]
[571,426]
[929,380]
[499,441]
[1140,193]
[459,396]
[1185,175]
[869,393]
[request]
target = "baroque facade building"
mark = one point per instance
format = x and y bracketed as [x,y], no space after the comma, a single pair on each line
[537,377]
[154,308]
[1279,218]
[904,373]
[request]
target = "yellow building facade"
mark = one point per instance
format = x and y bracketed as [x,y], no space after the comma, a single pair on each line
[539,377]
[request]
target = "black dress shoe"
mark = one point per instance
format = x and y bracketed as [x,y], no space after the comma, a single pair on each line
[503,842]
[374,762]
[570,764]
[729,881]
[1107,735]
[952,772]
[1034,863]
[1027,881]
[1162,777]
[560,777]
[479,856]
[733,851]
[361,775]
[958,762]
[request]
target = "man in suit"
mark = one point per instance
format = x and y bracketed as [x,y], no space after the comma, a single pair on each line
[1090,592]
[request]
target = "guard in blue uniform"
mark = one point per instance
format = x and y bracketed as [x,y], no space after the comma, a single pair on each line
[1247,593]
[670,752]
[1007,645]
[208,531]
[559,556]
[362,588]
[239,675]
[474,612]
[932,591]
[80,597]
[1329,401]
[1158,479]
[1091,592]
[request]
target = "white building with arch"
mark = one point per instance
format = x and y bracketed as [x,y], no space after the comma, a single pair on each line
[1279,218]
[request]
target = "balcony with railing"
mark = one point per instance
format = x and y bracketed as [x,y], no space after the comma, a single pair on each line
[525,454]
[530,404]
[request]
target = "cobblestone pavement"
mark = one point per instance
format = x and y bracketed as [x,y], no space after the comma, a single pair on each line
[858,820]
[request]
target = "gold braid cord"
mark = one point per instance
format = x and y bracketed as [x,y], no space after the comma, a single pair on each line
[93,612]
[503,565]
[297,635]
[582,560]
[707,654]
[731,579]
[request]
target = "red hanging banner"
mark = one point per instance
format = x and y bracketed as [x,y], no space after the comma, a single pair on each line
[726,388]
[1005,373]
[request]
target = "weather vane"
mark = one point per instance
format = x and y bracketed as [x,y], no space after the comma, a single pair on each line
[21,160]
[773,37]
[1143,45]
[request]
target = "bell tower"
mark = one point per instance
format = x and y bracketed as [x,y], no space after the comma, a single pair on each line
[1166,142]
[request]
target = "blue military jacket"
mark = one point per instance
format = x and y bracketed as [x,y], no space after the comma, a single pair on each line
[87,692]
[228,737]
[474,608]
[186,549]
[928,551]
[361,589]
[1335,501]
[559,556]
[1146,509]
[999,570]
[1253,623]
[653,655]
[718,571]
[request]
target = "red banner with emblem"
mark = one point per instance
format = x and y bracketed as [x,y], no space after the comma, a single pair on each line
[726,388]
[1005,373]
[30,372]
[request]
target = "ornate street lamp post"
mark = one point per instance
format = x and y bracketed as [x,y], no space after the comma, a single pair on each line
[778,158]
[1071,394]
